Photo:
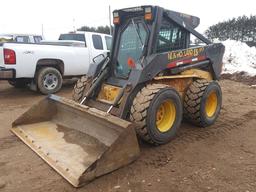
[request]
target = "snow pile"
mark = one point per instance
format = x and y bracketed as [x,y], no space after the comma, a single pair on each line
[239,57]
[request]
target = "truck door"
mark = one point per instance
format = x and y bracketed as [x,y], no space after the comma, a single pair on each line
[80,60]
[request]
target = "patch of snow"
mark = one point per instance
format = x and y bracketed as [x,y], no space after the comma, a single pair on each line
[239,57]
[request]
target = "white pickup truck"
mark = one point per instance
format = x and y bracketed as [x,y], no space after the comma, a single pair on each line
[43,66]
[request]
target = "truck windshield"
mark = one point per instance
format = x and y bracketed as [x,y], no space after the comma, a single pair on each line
[131,46]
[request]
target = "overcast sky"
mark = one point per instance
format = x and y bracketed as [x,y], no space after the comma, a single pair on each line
[60,16]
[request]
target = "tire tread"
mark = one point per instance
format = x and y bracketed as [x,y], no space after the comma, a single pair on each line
[192,101]
[79,88]
[140,106]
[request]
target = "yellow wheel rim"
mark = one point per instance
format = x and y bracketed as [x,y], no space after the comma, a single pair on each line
[165,116]
[211,104]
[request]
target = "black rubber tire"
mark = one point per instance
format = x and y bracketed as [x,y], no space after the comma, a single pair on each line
[18,83]
[195,100]
[143,112]
[41,73]
[78,91]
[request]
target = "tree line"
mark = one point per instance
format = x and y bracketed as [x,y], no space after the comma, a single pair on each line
[242,29]
[99,29]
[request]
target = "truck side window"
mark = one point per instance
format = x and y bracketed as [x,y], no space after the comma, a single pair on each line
[171,37]
[97,42]
[108,42]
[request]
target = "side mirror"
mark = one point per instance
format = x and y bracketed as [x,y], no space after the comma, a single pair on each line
[99,58]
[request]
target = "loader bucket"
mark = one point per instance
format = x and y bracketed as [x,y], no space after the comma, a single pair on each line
[79,142]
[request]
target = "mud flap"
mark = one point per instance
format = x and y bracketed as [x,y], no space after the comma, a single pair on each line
[79,142]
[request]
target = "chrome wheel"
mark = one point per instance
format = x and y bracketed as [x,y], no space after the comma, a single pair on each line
[50,81]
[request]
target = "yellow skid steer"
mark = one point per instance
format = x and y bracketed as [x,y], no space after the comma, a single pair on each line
[150,80]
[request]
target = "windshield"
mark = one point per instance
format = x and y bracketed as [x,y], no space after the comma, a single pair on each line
[131,46]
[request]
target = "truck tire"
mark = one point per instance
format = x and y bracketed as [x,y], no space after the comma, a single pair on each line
[157,109]
[49,80]
[18,83]
[78,91]
[202,102]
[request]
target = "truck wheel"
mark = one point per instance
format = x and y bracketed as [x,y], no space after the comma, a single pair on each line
[157,109]
[18,83]
[202,102]
[78,91]
[49,80]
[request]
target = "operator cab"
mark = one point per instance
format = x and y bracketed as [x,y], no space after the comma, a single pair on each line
[139,34]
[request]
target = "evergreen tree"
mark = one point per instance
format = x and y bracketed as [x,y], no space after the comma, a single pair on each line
[242,29]
[100,29]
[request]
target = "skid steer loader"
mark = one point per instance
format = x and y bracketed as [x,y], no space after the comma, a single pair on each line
[152,78]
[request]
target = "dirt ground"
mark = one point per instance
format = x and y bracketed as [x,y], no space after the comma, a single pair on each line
[240,77]
[218,158]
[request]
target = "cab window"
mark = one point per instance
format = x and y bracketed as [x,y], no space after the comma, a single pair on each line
[171,37]
[131,46]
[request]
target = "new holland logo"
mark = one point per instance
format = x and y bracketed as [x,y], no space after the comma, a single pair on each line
[185,53]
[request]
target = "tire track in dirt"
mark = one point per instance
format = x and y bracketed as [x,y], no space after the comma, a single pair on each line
[190,134]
